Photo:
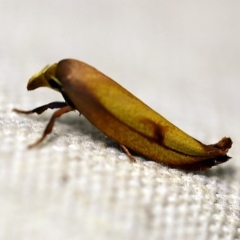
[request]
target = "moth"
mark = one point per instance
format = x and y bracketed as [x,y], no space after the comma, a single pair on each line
[123,117]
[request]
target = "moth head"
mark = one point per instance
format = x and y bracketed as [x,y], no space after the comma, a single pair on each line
[45,78]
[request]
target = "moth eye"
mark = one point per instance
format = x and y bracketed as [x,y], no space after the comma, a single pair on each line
[54,84]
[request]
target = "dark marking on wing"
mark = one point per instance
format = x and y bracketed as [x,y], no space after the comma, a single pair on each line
[158,131]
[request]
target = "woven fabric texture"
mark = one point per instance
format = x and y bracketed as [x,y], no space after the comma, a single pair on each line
[182,59]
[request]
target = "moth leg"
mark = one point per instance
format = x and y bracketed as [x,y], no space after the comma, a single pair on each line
[131,157]
[50,124]
[43,108]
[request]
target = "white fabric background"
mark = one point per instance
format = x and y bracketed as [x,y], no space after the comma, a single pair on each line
[180,57]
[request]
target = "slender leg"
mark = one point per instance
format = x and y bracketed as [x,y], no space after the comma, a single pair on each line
[50,124]
[132,158]
[43,108]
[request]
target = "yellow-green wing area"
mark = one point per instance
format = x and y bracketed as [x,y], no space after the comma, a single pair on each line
[90,91]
